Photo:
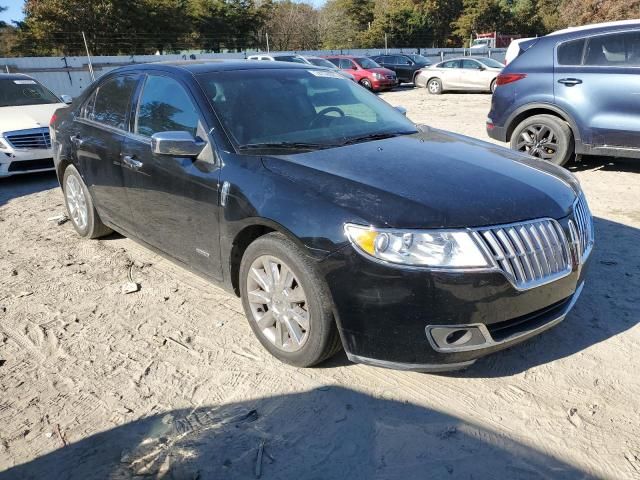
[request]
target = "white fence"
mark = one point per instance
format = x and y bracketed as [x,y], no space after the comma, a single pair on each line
[70,75]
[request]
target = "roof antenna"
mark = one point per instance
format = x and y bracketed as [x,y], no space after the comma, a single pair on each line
[93,77]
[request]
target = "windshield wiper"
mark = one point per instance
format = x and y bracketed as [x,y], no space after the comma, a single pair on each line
[377,136]
[284,146]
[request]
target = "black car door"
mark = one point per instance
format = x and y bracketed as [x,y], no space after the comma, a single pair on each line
[174,200]
[404,68]
[98,131]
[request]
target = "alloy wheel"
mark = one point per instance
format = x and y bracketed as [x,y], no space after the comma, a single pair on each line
[434,86]
[539,141]
[76,202]
[278,303]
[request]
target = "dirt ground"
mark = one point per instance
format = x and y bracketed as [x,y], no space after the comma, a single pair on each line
[170,383]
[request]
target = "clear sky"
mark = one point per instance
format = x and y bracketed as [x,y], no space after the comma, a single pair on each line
[14,12]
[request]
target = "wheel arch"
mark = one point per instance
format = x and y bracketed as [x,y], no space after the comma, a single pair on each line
[253,229]
[541,109]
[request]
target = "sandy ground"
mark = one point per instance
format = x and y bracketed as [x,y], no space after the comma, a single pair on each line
[169,382]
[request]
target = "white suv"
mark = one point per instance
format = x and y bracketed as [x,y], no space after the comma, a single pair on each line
[26,108]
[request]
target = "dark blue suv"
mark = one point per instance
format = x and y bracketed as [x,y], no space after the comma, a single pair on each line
[573,91]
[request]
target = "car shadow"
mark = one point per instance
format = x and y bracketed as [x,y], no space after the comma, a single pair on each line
[21,185]
[325,433]
[607,307]
[612,164]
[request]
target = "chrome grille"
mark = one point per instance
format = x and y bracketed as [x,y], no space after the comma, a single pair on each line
[528,253]
[34,138]
[584,226]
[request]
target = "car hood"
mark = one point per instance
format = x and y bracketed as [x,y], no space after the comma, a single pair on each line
[27,116]
[432,179]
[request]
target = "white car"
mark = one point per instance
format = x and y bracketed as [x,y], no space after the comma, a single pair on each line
[26,108]
[279,57]
[462,74]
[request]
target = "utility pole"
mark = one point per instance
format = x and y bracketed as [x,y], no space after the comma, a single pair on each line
[266,34]
[386,47]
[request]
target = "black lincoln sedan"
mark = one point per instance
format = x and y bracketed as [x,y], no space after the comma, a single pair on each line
[339,222]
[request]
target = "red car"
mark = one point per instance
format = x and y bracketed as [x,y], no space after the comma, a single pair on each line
[366,72]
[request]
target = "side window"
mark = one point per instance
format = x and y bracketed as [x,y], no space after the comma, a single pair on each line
[165,106]
[620,49]
[346,64]
[400,60]
[470,65]
[570,53]
[450,64]
[111,104]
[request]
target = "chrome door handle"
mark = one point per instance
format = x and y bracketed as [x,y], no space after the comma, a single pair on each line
[570,82]
[76,140]
[131,162]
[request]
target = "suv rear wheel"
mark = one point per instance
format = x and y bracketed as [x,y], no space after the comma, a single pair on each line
[545,137]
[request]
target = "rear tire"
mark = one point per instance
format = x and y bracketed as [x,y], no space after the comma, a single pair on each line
[434,86]
[293,319]
[545,137]
[493,85]
[80,208]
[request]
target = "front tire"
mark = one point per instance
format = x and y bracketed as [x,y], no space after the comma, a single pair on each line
[434,86]
[493,85]
[80,208]
[366,83]
[287,303]
[545,137]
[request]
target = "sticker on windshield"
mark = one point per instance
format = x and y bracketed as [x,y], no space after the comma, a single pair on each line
[24,82]
[325,73]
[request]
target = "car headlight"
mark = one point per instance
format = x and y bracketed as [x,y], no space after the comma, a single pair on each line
[437,249]
[3,145]
[378,76]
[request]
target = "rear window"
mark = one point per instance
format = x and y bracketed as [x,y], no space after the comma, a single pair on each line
[570,53]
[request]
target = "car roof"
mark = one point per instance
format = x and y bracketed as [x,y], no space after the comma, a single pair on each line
[206,66]
[14,76]
[597,28]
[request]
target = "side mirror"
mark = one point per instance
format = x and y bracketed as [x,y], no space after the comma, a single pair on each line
[481,68]
[402,110]
[66,99]
[176,144]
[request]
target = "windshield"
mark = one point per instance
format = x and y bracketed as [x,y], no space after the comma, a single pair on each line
[24,91]
[321,62]
[490,62]
[298,108]
[365,62]
[419,59]
[289,58]
[481,41]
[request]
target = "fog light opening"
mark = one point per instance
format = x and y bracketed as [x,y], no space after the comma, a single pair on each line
[458,337]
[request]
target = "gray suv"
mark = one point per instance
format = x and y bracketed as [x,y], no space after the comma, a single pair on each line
[576,91]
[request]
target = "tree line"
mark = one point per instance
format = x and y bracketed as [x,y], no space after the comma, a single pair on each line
[135,27]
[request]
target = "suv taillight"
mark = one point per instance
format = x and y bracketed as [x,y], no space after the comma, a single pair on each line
[505,78]
[53,119]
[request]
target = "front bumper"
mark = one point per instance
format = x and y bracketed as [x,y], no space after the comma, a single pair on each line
[384,84]
[397,318]
[20,161]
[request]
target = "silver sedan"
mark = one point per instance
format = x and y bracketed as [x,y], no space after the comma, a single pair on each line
[462,74]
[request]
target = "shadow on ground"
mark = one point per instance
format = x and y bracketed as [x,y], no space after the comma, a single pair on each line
[327,433]
[21,185]
[608,307]
[607,164]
